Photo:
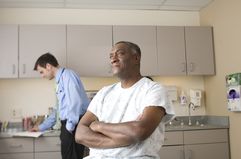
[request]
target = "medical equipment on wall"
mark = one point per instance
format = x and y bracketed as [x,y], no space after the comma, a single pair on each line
[183,98]
[233,84]
[195,97]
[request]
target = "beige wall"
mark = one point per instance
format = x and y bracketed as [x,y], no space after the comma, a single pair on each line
[34,96]
[224,16]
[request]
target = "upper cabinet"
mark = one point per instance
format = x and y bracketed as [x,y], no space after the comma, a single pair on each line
[171,50]
[88,49]
[145,38]
[35,40]
[166,50]
[199,51]
[185,50]
[8,51]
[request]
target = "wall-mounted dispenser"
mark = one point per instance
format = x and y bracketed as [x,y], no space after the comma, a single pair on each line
[233,84]
[195,97]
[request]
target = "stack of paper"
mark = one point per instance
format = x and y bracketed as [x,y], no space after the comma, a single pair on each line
[27,134]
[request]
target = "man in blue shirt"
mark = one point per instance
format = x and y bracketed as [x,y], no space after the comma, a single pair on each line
[72,104]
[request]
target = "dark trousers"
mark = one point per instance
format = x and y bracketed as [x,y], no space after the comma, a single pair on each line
[69,148]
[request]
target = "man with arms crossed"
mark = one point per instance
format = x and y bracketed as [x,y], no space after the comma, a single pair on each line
[125,120]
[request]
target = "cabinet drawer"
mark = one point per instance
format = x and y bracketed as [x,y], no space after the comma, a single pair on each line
[47,144]
[48,155]
[17,156]
[206,136]
[171,152]
[173,138]
[16,145]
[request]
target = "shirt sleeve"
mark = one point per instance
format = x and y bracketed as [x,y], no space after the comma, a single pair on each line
[157,96]
[49,122]
[96,103]
[77,102]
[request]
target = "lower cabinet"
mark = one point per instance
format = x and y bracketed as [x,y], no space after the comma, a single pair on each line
[29,148]
[196,144]
[172,152]
[47,148]
[47,155]
[17,156]
[16,148]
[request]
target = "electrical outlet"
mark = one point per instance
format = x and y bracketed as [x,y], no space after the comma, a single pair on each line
[16,113]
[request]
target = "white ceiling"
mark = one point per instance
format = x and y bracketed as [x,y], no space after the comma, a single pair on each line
[172,5]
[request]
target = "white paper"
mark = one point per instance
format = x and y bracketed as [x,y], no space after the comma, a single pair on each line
[27,134]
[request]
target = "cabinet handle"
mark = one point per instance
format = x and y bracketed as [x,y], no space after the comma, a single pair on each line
[58,144]
[16,146]
[189,154]
[14,69]
[183,67]
[24,68]
[182,154]
[191,68]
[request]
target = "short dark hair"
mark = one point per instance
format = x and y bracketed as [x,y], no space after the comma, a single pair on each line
[44,59]
[134,47]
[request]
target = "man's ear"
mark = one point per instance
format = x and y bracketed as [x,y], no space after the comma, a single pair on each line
[48,66]
[138,59]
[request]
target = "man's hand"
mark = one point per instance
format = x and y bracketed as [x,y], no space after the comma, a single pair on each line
[34,129]
[95,125]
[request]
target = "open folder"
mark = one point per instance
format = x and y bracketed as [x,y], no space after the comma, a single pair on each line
[27,134]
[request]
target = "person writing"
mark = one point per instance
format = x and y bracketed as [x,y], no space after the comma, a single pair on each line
[72,103]
[126,120]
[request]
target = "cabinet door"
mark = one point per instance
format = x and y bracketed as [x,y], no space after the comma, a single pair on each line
[35,40]
[172,152]
[8,51]
[171,50]
[173,138]
[47,155]
[199,51]
[44,144]
[17,156]
[88,49]
[13,145]
[145,38]
[205,136]
[207,151]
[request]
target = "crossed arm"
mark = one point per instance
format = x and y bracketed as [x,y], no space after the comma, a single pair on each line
[96,134]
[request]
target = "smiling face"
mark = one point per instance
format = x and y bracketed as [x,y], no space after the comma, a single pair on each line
[124,60]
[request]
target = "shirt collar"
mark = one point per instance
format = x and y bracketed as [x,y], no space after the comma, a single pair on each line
[59,74]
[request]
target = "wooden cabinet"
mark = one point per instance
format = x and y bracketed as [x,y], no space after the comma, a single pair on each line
[8,51]
[173,146]
[208,144]
[17,156]
[185,50]
[199,51]
[47,148]
[35,40]
[171,50]
[166,50]
[88,49]
[145,38]
[16,148]
[196,144]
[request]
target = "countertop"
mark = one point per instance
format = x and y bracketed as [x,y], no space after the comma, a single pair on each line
[45,134]
[180,123]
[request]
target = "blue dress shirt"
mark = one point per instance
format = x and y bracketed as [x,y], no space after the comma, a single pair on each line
[72,100]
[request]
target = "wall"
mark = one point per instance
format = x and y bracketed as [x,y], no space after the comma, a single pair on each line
[34,96]
[224,17]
